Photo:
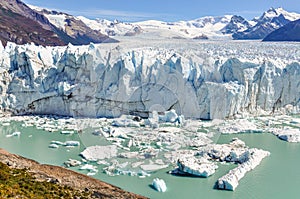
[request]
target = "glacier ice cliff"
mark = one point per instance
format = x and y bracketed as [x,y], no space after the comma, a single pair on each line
[206,81]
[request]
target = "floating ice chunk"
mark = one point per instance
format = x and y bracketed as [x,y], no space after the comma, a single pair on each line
[53,146]
[129,155]
[239,126]
[57,142]
[5,124]
[125,121]
[231,180]
[197,167]
[89,167]
[72,143]
[15,134]
[170,116]
[289,135]
[94,153]
[72,163]
[91,173]
[159,185]
[153,167]
[102,162]
[67,132]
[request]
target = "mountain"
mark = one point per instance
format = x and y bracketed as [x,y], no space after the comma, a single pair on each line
[112,28]
[236,24]
[289,32]
[74,27]
[210,26]
[21,24]
[267,23]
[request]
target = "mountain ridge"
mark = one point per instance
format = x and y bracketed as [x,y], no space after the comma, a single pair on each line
[289,32]
[55,28]
[21,24]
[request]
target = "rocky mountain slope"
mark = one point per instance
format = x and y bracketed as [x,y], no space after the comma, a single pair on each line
[267,23]
[21,24]
[289,32]
[75,27]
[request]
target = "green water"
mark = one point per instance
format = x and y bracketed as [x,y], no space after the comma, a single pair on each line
[277,177]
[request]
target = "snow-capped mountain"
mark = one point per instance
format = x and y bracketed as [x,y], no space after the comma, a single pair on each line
[267,23]
[112,28]
[74,27]
[209,26]
[22,24]
[289,32]
[236,24]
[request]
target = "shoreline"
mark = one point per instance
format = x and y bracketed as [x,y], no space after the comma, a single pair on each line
[65,177]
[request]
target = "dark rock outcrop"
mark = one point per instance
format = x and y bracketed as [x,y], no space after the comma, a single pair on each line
[289,32]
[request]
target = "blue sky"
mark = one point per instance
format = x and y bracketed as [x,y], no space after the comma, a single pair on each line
[166,10]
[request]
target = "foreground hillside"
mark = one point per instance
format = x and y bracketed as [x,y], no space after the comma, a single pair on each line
[24,178]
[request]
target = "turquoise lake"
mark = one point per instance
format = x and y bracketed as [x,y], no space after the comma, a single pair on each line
[277,177]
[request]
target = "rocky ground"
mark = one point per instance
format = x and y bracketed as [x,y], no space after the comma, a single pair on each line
[64,177]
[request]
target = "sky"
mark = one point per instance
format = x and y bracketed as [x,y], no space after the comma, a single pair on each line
[165,10]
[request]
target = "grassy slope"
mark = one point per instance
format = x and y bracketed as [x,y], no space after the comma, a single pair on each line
[18,183]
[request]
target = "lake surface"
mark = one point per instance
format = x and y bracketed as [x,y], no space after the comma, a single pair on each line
[277,177]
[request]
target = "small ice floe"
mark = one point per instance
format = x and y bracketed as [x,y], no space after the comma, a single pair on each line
[57,142]
[5,124]
[94,153]
[289,134]
[125,121]
[172,117]
[153,167]
[198,167]
[90,168]
[231,180]
[67,132]
[53,146]
[15,134]
[66,144]
[72,143]
[159,185]
[72,163]
[91,173]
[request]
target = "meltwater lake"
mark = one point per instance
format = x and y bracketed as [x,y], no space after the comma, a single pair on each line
[277,177]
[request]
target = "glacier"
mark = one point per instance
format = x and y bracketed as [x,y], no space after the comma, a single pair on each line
[206,80]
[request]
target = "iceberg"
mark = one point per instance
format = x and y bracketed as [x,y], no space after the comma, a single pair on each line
[67,132]
[90,168]
[159,185]
[197,167]
[14,134]
[289,135]
[72,163]
[94,153]
[72,143]
[53,146]
[231,180]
